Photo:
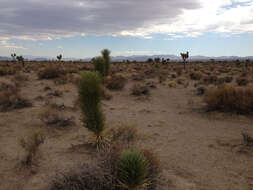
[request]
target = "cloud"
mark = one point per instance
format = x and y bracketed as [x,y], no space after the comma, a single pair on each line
[47,20]
[5,44]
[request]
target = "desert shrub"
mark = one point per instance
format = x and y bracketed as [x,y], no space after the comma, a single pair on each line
[242,81]
[230,99]
[228,79]
[99,64]
[195,75]
[181,80]
[50,71]
[7,71]
[179,71]
[51,117]
[90,93]
[172,84]
[125,135]
[161,78]
[133,170]
[64,79]
[201,90]
[211,79]
[31,145]
[20,77]
[106,55]
[137,77]
[10,98]
[116,82]
[139,89]
[88,177]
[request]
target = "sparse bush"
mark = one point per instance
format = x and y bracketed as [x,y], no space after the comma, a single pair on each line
[133,168]
[211,79]
[31,145]
[88,177]
[7,71]
[242,81]
[20,77]
[139,89]
[50,71]
[172,84]
[161,78]
[90,93]
[228,79]
[125,135]
[116,82]
[230,99]
[52,117]
[201,90]
[195,75]
[10,98]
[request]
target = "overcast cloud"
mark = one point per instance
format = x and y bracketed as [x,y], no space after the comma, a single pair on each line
[48,19]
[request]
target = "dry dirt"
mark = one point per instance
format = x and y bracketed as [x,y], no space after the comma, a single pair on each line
[197,149]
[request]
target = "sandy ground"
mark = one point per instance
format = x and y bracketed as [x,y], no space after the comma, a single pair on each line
[198,150]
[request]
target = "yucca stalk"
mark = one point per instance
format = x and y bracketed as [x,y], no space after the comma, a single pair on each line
[90,92]
[99,64]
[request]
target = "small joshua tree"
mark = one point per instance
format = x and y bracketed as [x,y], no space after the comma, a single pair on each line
[13,55]
[133,169]
[106,55]
[90,92]
[59,57]
[99,64]
[185,56]
[21,60]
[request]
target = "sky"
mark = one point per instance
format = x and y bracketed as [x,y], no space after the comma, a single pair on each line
[82,28]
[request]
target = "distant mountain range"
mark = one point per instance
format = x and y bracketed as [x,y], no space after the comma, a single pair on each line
[140,58]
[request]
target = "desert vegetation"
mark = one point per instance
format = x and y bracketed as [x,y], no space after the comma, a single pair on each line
[155,125]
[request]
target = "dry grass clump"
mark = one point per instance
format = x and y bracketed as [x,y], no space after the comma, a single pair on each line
[31,145]
[50,71]
[230,99]
[10,98]
[242,81]
[116,82]
[139,90]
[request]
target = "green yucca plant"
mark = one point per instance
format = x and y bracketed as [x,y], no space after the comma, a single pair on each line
[106,55]
[133,170]
[99,64]
[90,92]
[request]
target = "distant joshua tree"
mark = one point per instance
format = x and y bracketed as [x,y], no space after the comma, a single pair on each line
[150,60]
[59,57]
[106,55]
[21,60]
[185,56]
[13,55]
[157,60]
